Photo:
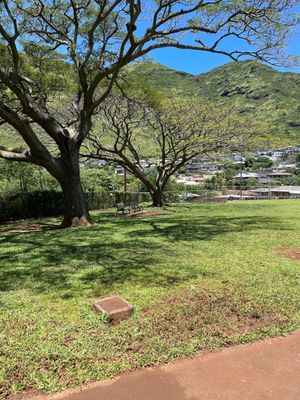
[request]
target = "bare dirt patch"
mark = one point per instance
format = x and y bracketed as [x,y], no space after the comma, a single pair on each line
[26,395]
[24,227]
[180,317]
[146,214]
[292,253]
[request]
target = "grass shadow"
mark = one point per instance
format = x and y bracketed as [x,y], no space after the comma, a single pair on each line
[129,250]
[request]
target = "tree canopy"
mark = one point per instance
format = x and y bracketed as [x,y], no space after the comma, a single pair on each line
[176,131]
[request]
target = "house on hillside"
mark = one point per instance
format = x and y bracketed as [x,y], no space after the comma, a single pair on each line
[119,170]
[263,152]
[236,158]
[284,166]
[251,175]
[278,192]
[264,175]
[204,167]
[290,150]
[278,154]
[191,180]
[280,175]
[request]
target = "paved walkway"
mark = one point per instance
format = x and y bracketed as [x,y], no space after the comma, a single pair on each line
[266,370]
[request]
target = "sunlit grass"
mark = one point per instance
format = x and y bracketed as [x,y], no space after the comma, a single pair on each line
[200,277]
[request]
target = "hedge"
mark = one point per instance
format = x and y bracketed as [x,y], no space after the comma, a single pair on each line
[51,203]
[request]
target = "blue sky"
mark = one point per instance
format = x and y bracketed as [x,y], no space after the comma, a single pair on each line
[196,62]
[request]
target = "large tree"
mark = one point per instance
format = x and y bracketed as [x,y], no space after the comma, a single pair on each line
[164,135]
[87,43]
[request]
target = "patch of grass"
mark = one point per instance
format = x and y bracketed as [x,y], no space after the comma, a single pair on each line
[201,277]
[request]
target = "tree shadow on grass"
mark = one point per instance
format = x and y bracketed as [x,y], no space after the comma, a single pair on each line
[93,260]
[53,263]
[198,227]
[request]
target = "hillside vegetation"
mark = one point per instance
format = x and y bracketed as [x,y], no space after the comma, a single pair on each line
[269,95]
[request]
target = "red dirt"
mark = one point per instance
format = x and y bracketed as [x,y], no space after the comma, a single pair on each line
[266,370]
[28,394]
[292,252]
[194,307]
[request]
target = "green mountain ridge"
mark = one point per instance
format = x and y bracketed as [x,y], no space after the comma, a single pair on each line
[269,95]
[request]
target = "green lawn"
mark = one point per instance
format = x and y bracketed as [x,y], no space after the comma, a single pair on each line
[201,277]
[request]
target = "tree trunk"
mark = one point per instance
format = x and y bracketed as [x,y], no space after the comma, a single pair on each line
[76,210]
[157,199]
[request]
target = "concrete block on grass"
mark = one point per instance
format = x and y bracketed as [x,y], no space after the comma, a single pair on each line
[115,307]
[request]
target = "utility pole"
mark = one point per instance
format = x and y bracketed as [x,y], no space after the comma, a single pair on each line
[241,178]
[125,176]
[125,180]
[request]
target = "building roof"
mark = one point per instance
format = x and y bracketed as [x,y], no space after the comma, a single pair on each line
[283,165]
[291,189]
[279,173]
[245,175]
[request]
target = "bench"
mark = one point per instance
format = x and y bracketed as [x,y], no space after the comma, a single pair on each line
[121,208]
[135,206]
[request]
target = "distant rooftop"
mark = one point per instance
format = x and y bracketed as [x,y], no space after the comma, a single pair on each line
[246,175]
[290,189]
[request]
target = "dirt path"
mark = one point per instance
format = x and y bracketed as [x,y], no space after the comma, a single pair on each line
[266,370]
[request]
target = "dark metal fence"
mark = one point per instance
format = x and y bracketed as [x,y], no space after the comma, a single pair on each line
[51,203]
